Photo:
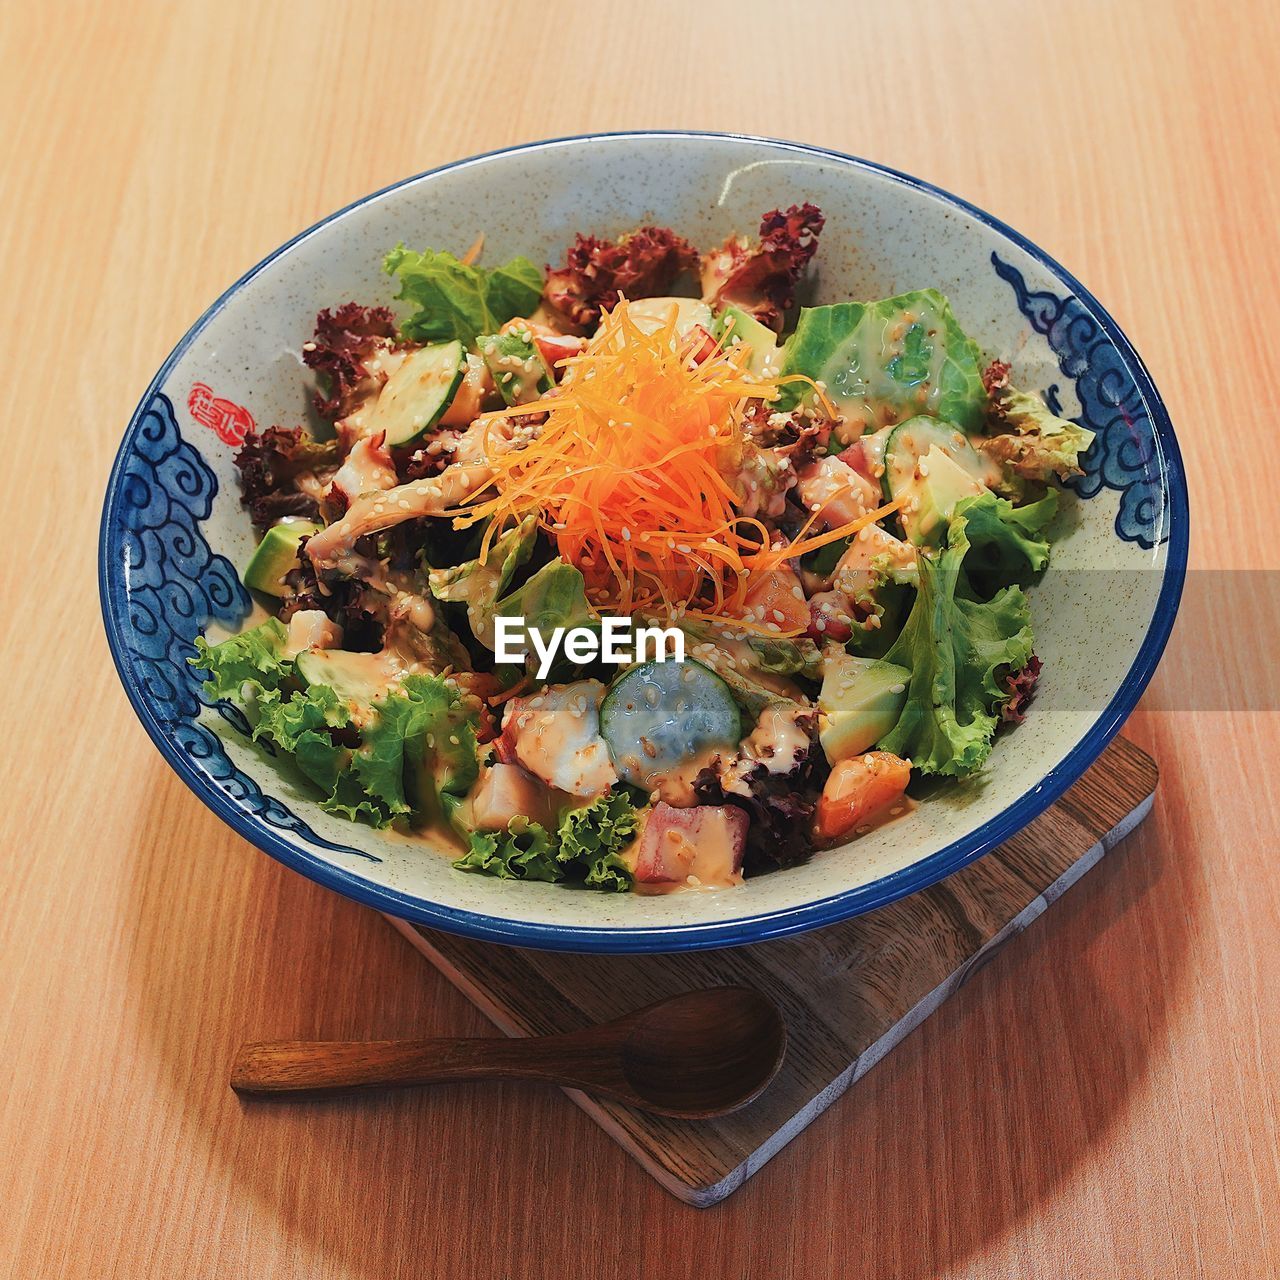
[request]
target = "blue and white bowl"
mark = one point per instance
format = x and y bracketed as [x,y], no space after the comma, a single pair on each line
[174,533]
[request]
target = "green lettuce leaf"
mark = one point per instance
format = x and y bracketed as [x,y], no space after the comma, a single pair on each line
[406,751]
[900,356]
[302,724]
[523,852]
[783,657]
[1032,443]
[254,658]
[441,748]
[454,300]
[957,648]
[1005,541]
[555,596]
[585,850]
[592,839]
[478,585]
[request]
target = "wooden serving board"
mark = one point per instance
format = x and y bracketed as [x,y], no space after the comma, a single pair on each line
[850,992]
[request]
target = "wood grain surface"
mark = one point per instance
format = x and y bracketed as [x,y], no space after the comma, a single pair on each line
[1103,1102]
[849,993]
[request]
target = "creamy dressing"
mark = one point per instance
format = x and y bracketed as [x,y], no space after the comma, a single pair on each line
[872,553]
[311,629]
[778,742]
[367,469]
[475,385]
[650,314]
[379,367]
[673,784]
[376,512]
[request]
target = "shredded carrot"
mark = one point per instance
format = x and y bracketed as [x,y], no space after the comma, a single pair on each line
[632,472]
[474,252]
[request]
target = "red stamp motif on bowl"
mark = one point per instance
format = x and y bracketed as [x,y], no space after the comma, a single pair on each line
[229,422]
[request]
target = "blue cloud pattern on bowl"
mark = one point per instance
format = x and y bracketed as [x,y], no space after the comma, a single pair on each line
[174,586]
[168,548]
[1122,457]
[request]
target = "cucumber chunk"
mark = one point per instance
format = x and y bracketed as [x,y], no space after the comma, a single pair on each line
[418,393]
[276,555]
[661,715]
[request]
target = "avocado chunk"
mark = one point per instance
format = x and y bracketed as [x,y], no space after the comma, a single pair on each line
[940,483]
[519,371]
[276,555]
[861,700]
[734,326]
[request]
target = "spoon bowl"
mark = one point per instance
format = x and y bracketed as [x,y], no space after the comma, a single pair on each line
[703,1053]
[696,1055]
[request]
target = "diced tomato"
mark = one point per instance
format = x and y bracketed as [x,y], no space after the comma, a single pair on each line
[558,346]
[776,596]
[706,348]
[830,617]
[859,789]
[705,842]
[855,456]
[504,749]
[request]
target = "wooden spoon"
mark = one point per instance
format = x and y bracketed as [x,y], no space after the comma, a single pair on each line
[695,1055]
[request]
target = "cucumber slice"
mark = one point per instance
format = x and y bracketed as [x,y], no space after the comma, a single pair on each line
[359,679]
[276,555]
[519,371]
[932,465]
[661,715]
[418,393]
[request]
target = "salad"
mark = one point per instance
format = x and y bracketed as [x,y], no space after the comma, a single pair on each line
[829,532]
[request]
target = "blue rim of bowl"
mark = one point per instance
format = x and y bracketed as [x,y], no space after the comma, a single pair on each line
[743,929]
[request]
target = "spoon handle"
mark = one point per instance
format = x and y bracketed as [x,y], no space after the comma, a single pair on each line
[301,1068]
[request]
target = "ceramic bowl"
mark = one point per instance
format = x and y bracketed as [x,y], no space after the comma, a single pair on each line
[174,532]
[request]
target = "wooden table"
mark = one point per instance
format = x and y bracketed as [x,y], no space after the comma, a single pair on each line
[1101,1101]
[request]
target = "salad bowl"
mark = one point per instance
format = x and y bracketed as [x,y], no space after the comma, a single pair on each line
[175,536]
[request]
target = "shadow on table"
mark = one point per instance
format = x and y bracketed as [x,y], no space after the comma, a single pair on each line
[226,946]
[970,1126]
[943,1148]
